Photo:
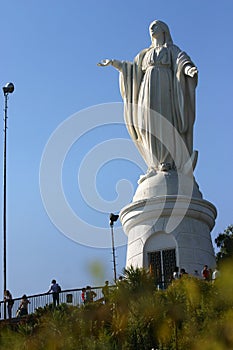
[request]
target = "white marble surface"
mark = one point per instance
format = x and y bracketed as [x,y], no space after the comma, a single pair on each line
[158,90]
[174,222]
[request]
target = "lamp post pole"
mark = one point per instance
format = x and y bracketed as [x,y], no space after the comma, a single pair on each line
[8,88]
[113,218]
[113,254]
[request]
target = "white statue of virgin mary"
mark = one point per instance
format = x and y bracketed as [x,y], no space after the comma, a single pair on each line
[158,90]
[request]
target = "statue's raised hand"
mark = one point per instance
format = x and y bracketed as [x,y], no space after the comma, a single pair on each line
[191,71]
[104,63]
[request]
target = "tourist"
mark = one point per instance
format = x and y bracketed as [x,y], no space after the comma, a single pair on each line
[175,274]
[90,295]
[215,274]
[183,272]
[83,295]
[105,291]
[55,289]
[9,301]
[23,306]
[205,273]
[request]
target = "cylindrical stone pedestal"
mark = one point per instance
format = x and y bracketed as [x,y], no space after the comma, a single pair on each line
[168,231]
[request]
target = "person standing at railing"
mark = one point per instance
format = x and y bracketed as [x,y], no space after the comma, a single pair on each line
[55,289]
[90,295]
[9,301]
[83,295]
[105,292]
[23,307]
[206,273]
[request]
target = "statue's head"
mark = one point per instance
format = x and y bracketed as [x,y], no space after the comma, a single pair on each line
[161,26]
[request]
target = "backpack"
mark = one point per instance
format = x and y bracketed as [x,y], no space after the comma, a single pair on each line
[58,289]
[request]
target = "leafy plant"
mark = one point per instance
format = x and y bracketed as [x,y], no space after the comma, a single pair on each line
[190,314]
[224,241]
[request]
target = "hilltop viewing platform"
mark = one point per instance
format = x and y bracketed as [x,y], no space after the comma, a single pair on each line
[68,296]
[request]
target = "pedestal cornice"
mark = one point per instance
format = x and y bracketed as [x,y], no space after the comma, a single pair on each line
[167,206]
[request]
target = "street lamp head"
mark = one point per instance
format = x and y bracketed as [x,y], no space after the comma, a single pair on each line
[8,88]
[113,218]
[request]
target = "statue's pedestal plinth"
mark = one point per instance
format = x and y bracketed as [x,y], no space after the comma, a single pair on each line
[169,230]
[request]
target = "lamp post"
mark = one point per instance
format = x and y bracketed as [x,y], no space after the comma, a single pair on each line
[113,218]
[7,89]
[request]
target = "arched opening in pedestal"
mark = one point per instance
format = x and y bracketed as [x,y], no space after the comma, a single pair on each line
[160,256]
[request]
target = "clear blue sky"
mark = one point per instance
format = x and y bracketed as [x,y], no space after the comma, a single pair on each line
[49,49]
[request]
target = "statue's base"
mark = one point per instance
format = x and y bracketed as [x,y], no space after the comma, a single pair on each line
[166,183]
[169,230]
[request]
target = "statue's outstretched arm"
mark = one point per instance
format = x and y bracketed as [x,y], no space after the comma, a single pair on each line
[115,63]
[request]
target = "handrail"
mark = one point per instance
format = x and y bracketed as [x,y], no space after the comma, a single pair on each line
[69,296]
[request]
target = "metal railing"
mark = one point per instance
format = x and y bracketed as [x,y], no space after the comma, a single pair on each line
[68,296]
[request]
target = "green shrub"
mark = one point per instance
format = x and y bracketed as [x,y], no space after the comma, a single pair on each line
[191,314]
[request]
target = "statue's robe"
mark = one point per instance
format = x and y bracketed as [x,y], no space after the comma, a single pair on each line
[159,105]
